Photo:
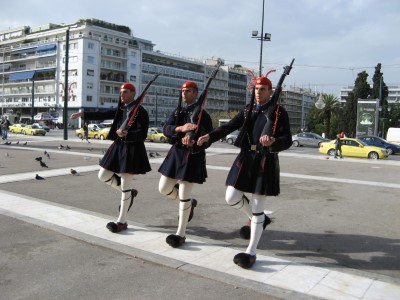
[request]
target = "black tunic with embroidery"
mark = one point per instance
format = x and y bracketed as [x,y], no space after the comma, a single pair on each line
[181,162]
[127,154]
[256,171]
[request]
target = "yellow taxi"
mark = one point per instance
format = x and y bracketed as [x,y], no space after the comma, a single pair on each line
[354,148]
[102,134]
[17,128]
[156,135]
[33,130]
[92,133]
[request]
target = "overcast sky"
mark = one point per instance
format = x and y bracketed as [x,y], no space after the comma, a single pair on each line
[331,40]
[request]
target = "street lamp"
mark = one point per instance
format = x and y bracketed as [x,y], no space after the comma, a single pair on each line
[320,104]
[262,38]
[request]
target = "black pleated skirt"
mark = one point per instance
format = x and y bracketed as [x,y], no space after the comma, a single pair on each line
[126,158]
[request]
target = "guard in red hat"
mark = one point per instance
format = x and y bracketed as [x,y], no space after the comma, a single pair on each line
[127,156]
[256,168]
[183,167]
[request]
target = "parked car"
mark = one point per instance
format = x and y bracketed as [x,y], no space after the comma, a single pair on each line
[354,148]
[380,142]
[17,128]
[231,138]
[33,130]
[43,126]
[308,139]
[92,133]
[156,135]
[102,134]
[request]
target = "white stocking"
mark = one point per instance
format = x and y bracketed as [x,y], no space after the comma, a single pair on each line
[109,178]
[185,190]
[126,187]
[257,222]
[236,199]
[166,186]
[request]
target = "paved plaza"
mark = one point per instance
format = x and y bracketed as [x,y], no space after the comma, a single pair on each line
[335,233]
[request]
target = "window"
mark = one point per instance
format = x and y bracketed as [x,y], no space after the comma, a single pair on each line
[90,72]
[89,98]
[89,85]
[90,59]
[91,46]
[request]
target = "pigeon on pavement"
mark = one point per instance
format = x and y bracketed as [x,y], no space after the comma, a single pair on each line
[39,177]
[74,172]
[43,165]
[38,158]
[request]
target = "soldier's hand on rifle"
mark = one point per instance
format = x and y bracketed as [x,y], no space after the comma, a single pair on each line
[266,140]
[203,139]
[77,115]
[121,133]
[185,128]
[188,141]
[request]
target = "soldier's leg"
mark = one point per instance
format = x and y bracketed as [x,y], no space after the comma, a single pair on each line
[168,187]
[238,200]
[110,178]
[128,193]
[186,206]
[247,259]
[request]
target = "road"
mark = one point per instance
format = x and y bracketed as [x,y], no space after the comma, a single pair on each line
[332,217]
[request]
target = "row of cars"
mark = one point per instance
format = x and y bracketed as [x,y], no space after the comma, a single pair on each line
[34,129]
[100,131]
[363,146]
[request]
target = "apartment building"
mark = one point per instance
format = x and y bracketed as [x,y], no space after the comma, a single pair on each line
[101,56]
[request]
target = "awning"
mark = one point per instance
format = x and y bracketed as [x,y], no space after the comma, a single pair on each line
[46,47]
[26,50]
[21,75]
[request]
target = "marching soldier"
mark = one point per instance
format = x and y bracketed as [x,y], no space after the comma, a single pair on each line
[256,168]
[184,164]
[127,155]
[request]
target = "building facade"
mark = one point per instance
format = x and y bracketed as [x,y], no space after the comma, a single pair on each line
[102,55]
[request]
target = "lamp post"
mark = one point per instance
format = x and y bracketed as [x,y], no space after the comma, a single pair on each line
[320,104]
[378,108]
[65,112]
[262,38]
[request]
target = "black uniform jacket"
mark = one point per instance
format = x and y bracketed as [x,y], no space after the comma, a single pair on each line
[256,168]
[127,154]
[181,162]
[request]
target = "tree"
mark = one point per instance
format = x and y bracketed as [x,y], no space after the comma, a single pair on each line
[331,108]
[361,90]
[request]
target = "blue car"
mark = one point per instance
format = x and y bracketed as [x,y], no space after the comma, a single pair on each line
[379,142]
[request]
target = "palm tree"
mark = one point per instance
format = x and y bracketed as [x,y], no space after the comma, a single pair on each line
[332,105]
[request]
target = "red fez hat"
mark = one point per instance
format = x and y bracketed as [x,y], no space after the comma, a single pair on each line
[263,81]
[190,84]
[128,86]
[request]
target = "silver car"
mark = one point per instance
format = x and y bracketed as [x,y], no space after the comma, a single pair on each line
[231,138]
[308,139]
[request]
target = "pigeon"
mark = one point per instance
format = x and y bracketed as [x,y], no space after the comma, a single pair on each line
[61,147]
[38,158]
[158,154]
[39,177]
[7,143]
[45,152]
[151,154]
[48,155]
[26,143]
[67,148]
[74,172]
[43,165]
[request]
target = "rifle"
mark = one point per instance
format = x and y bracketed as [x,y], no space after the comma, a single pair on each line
[270,126]
[240,140]
[195,118]
[129,121]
